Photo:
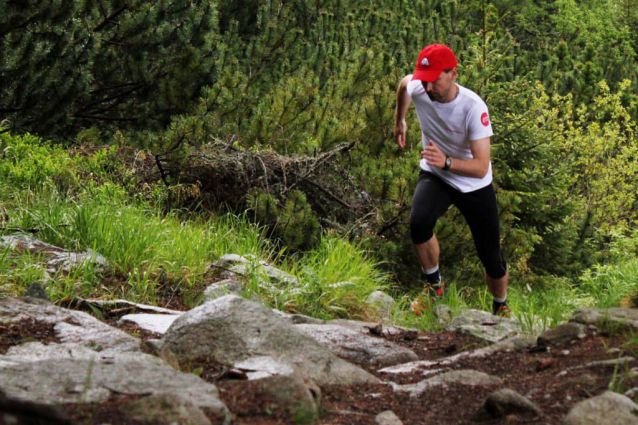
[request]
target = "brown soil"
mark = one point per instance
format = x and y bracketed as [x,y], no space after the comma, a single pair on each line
[26,330]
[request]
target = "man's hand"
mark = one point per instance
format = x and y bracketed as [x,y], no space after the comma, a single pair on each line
[433,155]
[400,128]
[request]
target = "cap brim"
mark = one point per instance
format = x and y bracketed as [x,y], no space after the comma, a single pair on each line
[429,76]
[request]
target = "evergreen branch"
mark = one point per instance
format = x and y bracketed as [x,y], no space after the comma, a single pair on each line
[158,162]
[108,19]
[330,194]
[95,117]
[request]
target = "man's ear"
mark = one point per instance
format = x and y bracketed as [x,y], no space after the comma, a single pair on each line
[454,74]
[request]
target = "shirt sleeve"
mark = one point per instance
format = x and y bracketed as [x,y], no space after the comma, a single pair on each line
[479,124]
[409,87]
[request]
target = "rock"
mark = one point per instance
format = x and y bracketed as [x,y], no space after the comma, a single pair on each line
[300,319]
[381,303]
[229,260]
[58,259]
[443,314]
[164,409]
[613,363]
[285,393]
[505,402]
[261,367]
[57,381]
[232,329]
[244,265]
[36,351]
[367,327]
[70,326]
[467,377]
[357,347]
[223,287]
[562,334]
[484,326]
[608,408]
[22,412]
[619,317]
[387,418]
[36,290]
[158,323]
[107,305]
[585,380]
[511,344]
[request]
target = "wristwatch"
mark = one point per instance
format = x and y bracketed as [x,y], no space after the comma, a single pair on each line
[448,163]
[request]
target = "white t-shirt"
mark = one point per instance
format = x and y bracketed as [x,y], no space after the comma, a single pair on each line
[452,126]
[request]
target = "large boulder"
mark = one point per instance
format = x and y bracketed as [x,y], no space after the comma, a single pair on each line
[70,326]
[58,381]
[232,329]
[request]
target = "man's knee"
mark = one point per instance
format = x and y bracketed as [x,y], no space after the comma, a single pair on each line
[495,266]
[421,228]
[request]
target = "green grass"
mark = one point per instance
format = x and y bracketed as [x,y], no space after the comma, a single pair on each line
[79,203]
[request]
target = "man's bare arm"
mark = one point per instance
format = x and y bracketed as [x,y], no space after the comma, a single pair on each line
[476,167]
[403,101]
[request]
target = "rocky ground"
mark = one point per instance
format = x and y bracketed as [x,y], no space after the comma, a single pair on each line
[232,360]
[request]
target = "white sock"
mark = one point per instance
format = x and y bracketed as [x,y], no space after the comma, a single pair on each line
[500,300]
[430,271]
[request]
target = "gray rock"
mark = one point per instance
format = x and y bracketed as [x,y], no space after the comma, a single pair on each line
[387,418]
[58,259]
[107,305]
[232,329]
[261,367]
[484,326]
[608,408]
[357,347]
[36,290]
[70,326]
[381,303]
[289,395]
[505,402]
[164,409]
[57,381]
[563,334]
[467,377]
[368,327]
[223,287]
[443,314]
[511,344]
[619,317]
[36,351]
[229,260]
[158,323]
[300,319]
[612,363]
[244,265]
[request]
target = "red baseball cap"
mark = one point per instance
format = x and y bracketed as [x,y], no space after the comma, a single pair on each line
[433,60]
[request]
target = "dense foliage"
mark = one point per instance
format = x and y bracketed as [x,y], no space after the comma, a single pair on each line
[302,77]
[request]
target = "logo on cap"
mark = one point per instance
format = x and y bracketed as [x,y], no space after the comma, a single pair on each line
[425,62]
[485,120]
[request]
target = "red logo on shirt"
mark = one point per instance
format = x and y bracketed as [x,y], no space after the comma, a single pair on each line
[485,120]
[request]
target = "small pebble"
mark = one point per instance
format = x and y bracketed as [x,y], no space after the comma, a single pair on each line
[566,352]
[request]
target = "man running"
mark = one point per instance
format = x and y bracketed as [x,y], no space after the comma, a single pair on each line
[455,170]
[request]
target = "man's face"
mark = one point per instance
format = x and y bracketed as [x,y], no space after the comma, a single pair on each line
[442,90]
